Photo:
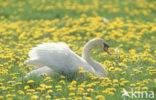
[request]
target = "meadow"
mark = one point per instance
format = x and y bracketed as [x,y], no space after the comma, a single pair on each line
[128,26]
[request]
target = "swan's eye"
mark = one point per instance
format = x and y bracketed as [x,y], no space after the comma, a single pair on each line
[106,45]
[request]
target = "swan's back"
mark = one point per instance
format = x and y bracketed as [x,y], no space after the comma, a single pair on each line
[57,56]
[47,47]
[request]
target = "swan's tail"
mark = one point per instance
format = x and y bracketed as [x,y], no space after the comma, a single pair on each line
[43,70]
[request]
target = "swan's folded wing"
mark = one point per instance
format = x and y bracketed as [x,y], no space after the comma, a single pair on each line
[49,47]
[57,56]
[44,48]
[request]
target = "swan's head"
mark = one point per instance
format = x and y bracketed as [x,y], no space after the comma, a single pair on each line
[100,43]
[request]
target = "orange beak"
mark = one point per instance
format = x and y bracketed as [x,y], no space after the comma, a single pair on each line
[106,49]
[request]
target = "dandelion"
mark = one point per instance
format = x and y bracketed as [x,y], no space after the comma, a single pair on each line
[145,88]
[115,81]
[111,93]
[30,81]
[26,87]
[111,68]
[30,90]
[21,92]
[118,69]
[73,83]
[82,71]
[43,74]
[48,79]
[48,86]
[104,91]
[34,97]
[100,97]
[62,77]
[58,87]
[71,94]
[88,98]
[132,85]
[1,97]
[155,80]
[49,91]
[28,93]
[48,96]
[90,90]
[62,81]
[132,74]
[72,88]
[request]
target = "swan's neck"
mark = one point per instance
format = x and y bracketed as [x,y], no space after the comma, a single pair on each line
[99,69]
[86,55]
[86,52]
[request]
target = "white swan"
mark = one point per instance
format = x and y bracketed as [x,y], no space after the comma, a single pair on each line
[60,58]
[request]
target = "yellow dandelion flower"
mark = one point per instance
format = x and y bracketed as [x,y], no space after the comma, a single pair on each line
[72,88]
[48,86]
[47,78]
[132,74]
[62,81]
[81,70]
[58,86]
[49,91]
[71,94]
[30,90]
[1,97]
[155,80]
[85,94]
[88,98]
[20,92]
[34,97]
[100,97]
[132,85]
[90,90]
[29,93]
[26,87]
[104,91]
[73,83]
[91,74]
[30,81]
[115,81]
[111,68]
[10,82]
[43,74]
[62,77]
[145,88]
[122,84]
[111,93]
[118,69]
[48,96]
